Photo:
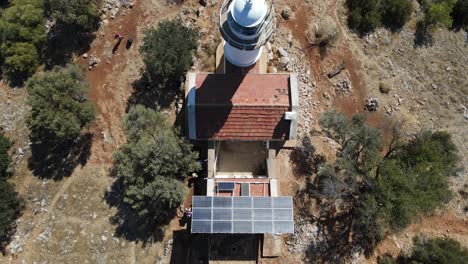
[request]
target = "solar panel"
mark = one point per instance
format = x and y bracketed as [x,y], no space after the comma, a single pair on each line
[242,202]
[262,202]
[226,186]
[202,214]
[201,201]
[242,215]
[222,202]
[244,227]
[283,226]
[222,227]
[201,226]
[222,214]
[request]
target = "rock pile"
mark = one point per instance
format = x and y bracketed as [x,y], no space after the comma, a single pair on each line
[344,86]
[306,236]
[371,104]
[93,62]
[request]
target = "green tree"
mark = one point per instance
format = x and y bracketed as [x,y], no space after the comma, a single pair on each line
[439,13]
[5,159]
[59,107]
[360,143]
[395,13]
[167,53]
[74,15]
[21,61]
[460,14]
[414,178]
[10,208]
[22,35]
[364,15]
[432,251]
[153,164]
[438,250]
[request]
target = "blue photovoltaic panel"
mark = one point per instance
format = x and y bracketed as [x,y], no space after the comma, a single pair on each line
[262,214]
[222,202]
[282,202]
[262,227]
[243,227]
[242,215]
[282,214]
[222,214]
[201,214]
[284,226]
[222,227]
[242,202]
[262,202]
[226,186]
[201,201]
[201,226]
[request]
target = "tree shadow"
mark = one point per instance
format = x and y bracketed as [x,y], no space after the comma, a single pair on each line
[422,36]
[305,160]
[153,95]
[130,225]
[55,161]
[63,43]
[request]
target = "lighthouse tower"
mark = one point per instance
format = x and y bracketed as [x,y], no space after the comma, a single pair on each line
[246,25]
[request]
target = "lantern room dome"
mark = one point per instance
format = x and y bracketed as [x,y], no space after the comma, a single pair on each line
[249,13]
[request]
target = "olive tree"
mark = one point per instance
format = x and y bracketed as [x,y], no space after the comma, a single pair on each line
[153,164]
[59,106]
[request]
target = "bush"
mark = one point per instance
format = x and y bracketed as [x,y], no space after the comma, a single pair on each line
[460,14]
[323,34]
[59,106]
[395,13]
[153,164]
[384,88]
[74,15]
[10,208]
[22,35]
[414,178]
[438,250]
[364,15]
[21,62]
[439,14]
[5,159]
[430,251]
[167,53]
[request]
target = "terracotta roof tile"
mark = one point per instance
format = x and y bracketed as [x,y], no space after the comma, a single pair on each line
[244,107]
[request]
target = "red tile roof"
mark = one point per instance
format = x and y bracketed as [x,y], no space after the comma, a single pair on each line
[243,107]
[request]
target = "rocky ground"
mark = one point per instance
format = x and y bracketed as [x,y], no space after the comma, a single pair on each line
[69,221]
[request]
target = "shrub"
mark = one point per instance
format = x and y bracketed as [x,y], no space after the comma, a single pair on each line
[439,14]
[460,14]
[59,106]
[167,53]
[22,35]
[364,15]
[323,34]
[384,88]
[414,179]
[74,15]
[153,164]
[21,62]
[438,250]
[395,13]
[430,251]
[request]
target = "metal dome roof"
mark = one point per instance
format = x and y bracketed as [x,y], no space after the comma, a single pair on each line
[249,13]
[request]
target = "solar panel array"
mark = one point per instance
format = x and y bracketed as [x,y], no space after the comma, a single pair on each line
[242,215]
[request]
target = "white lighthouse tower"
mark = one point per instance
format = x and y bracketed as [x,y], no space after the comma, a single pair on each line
[246,25]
